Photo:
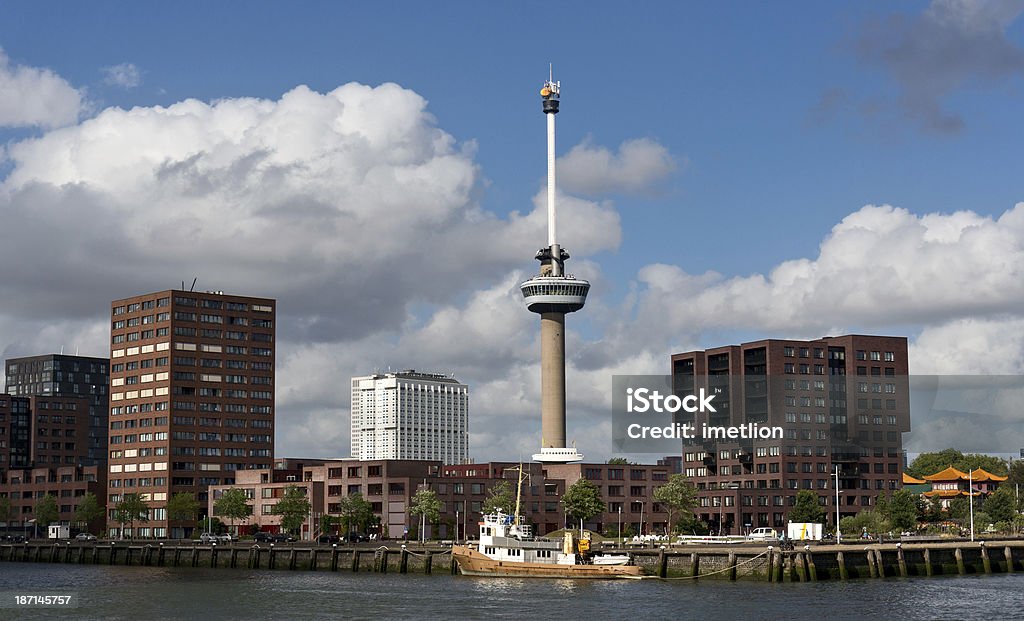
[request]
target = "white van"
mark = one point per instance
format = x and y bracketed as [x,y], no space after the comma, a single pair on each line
[762,534]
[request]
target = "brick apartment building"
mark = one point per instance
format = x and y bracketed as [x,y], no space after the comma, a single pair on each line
[389,486]
[191,397]
[43,450]
[843,403]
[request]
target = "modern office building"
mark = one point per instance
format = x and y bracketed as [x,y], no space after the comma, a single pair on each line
[842,403]
[68,376]
[191,398]
[410,415]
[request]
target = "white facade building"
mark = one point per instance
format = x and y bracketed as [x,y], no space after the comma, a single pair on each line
[410,415]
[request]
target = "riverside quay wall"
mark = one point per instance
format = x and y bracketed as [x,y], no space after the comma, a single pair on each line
[760,563]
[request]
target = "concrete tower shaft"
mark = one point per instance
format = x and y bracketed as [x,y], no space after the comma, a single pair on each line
[552,294]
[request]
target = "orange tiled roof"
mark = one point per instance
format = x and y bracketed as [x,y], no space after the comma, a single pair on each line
[983,475]
[949,474]
[952,474]
[909,480]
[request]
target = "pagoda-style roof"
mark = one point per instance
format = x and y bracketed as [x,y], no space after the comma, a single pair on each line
[909,480]
[983,475]
[952,474]
[949,474]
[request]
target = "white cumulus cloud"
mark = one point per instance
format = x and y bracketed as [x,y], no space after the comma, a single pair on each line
[637,167]
[125,75]
[36,97]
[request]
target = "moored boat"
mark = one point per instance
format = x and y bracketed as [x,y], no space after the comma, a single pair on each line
[508,549]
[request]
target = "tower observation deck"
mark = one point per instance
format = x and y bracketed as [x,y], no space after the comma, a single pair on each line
[552,294]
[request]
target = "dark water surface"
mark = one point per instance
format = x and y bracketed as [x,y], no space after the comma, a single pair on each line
[145,593]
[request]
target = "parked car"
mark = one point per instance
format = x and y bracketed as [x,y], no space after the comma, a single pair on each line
[355,538]
[85,537]
[284,538]
[328,539]
[263,537]
[762,534]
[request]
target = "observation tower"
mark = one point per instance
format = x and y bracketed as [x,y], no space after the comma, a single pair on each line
[552,294]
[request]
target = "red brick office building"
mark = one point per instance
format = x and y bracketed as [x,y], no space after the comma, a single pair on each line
[191,398]
[843,404]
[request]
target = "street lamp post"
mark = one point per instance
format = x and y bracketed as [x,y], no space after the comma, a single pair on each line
[641,518]
[839,535]
[618,533]
[970,498]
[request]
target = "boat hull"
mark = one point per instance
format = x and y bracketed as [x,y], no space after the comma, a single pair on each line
[473,563]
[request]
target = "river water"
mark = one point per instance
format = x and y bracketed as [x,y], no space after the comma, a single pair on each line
[150,593]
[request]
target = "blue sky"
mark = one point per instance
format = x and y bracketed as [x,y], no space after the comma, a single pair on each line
[779,121]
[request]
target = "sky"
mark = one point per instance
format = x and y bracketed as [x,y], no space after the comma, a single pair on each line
[727,172]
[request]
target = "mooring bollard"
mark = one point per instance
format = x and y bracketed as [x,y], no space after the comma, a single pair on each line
[901,560]
[960,567]
[1008,554]
[985,562]
[872,570]
[927,562]
[841,561]
[403,560]
[812,571]
[428,561]
[694,565]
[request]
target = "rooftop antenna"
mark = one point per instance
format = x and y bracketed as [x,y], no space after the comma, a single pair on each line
[193,287]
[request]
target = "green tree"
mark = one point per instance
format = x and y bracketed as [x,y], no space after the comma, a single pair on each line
[329,523]
[582,500]
[426,505]
[293,508]
[500,496]
[356,513]
[46,511]
[131,508]
[1001,505]
[807,508]
[620,461]
[5,510]
[677,496]
[931,463]
[902,510]
[872,522]
[88,510]
[959,508]
[1015,473]
[182,507]
[234,505]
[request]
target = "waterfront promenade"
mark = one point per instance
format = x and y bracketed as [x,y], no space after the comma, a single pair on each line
[747,562]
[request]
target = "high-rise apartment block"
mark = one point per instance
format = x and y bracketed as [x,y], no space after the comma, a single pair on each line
[68,376]
[410,415]
[191,398]
[842,402]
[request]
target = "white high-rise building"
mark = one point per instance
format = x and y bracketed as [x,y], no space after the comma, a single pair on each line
[410,415]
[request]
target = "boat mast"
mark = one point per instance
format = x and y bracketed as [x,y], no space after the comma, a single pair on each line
[519,493]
